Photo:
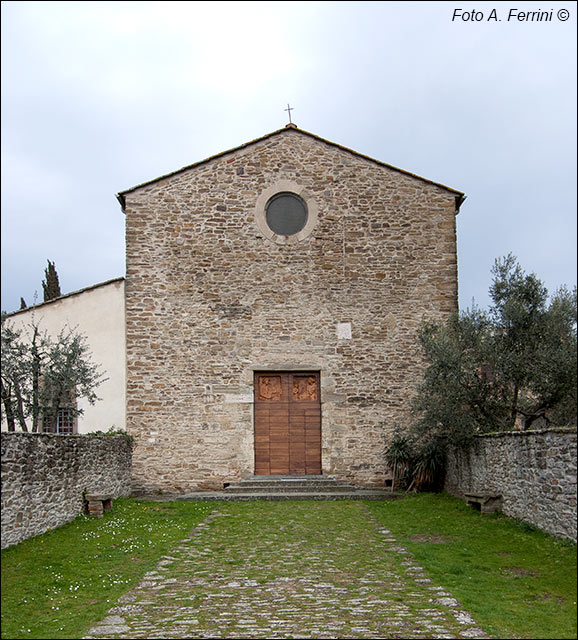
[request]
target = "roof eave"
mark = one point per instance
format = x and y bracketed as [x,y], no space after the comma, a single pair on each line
[460,201]
[121,199]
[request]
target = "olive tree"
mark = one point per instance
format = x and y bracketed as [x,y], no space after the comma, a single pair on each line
[41,374]
[512,366]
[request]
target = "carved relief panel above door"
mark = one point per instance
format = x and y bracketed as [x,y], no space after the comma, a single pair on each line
[305,388]
[269,388]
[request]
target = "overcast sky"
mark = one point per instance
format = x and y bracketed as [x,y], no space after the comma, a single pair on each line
[98,97]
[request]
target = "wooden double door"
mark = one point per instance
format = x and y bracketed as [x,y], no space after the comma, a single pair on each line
[287,423]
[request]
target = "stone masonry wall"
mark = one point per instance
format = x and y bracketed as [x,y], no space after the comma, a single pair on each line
[210,300]
[44,475]
[534,471]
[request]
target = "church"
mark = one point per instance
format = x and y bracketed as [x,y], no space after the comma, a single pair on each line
[273,298]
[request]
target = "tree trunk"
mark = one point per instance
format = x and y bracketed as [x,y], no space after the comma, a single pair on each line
[35,382]
[20,409]
[515,407]
[7,402]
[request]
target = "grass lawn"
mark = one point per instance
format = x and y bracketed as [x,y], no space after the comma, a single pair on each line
[56,585]
[517,582]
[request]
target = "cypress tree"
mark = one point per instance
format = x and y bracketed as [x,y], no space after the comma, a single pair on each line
[51,286]
[23,304]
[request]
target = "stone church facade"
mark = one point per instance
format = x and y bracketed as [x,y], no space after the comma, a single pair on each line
[274,294]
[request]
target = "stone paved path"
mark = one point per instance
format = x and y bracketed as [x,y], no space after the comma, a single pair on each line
[288,570]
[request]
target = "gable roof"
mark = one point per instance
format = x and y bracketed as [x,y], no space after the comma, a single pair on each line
[460,197]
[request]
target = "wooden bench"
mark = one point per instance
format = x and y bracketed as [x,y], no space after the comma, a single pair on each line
[484,502]
[97,504]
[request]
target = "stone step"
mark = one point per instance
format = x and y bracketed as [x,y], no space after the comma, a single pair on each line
[292,488]
[277,478]
[289,488]
[290,484]
[359,494]
[260,481]
[312,485]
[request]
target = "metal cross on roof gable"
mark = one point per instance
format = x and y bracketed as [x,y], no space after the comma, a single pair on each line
[289,109]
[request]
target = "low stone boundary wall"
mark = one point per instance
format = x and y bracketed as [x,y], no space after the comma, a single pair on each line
[44,476]
[533,471]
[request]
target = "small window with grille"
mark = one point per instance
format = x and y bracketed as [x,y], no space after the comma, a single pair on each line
[59,415]
[65,421]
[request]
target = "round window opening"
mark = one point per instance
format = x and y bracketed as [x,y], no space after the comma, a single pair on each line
[286,214]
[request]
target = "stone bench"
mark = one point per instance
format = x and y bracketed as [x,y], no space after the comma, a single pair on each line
[484,502]
[97,504]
